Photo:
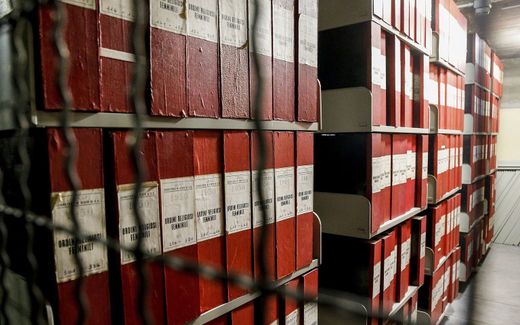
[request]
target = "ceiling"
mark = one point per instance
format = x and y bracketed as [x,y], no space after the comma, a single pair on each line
[501,28]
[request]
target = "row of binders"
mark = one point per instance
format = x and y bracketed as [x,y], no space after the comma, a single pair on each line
[446,161]
[201,57]
[447,94]
[199,201]
[479,155]
[486,67]
[483,107]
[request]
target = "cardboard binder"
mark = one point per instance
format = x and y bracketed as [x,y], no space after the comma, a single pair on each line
[81,37]
[122,225]
[264,52]
[411,171]
[285,227]
[62,274]
[209,212]
[399,162]
[388,271]
[404,243]
[269,201]
[407,86]
[309,311]
[436,238]
[421,197]
[307,53]
[116,58]
[168,59]
[304,198]
[234,58]
[418,250]
[179,237]
[284,72]
[292,312]
[202,71]
[394,77]
[237,198]
[243,315]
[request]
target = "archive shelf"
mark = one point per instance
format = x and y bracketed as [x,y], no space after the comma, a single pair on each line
[336,14]
[428,265]
[432,189]
[464,220]
[470,76]
[466,175]
[350,215]
[436,59]
[347,110]
[126,121]
[434,123]
[468,126]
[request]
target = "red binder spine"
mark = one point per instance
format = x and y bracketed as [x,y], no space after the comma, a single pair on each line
[394,86]
[304,198]
[403,260]
[264,51]
[307,94]
[405,16]
[424,76]
[389,271]
[237,194]
[396,14]
[407,87]
[168,59]
[283,60]
[81,36]
[380,158]
[207,161]
[375,270]
[92,220]
[127,228]
[179,236]
[421,198]
[310,288]
[418,251]
[292,313]
[202,70]
[411,171]
[399,161]
[377,74]
[116,58]
[284,175]
[234,55]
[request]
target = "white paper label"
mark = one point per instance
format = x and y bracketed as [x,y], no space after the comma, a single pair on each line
[376,281]
[293,318]
[425,165]
[90,211]
[233,22]
[178,213]
[284,190]
[454,272]
[238,201]
[423,245]
[437,293]
[405,254]
[440,230]
[263,35]
[150,219]
[399,169]
[447,278]
[411,160]
[89,4]
[208,206]
[434,92]
[268,190]
[376,66]
[168,15]
[202,19]
[122,9]
[443,160]
[388,271]
[283,25]
[304,188]
[308,40]
[310,314]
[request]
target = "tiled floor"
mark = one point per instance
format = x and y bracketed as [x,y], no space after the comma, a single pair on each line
[496,291]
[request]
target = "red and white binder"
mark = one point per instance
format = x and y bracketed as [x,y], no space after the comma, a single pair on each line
[209,213]
[404,240]
[399,162]
[264,52]
[407,86]
[284,74]
[202,71]
[394,85]
[304,198]
[234,63]
[115,55]
[237,198]
[421,198]
[168,59]
[284,189]
[124,228]
[436,238]
[389,272]
[81,37]
[92,221]
[411,171]
[381,174]
[309,311]
[418,250]
[292,312]
[179,235]
[307,39]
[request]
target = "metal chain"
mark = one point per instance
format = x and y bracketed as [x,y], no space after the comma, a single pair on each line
[71,148]
[138,103]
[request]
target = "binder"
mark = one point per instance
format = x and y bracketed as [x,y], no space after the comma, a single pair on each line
[411,171]
[284,189]
[388,271]
[81,37]
[167,59]
[234,55]
[116,57]
[421,198]
[284,73]
[421,91]
[292,313]
[394,84]
[307,81]
[435,238]
[269,201]
[304,198]
[404,240]
[209,212]
[309,284]
[202,58]
[264,52]
[396,14]
[237,198]
[418,250]
[243,315]
[399,162]
[407,86]
[122,225]
[61,276]
[179,235]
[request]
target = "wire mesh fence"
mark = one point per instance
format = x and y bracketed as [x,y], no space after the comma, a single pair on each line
[17,16]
